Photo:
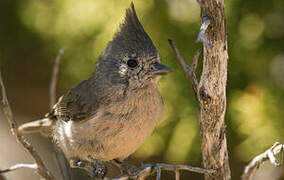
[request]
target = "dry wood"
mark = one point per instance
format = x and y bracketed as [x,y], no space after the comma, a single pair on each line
[19,166]
[190,71]
[148,169]
[41,169]
[177,174]
[210,92]
[269,154]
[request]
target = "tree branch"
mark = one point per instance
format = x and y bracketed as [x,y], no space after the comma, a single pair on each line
[19,166]
[212,89]
[60,158]
[41,169]
[177,174]
[148,169]
[190,71]
[210,92]
[269,154]
[53,82]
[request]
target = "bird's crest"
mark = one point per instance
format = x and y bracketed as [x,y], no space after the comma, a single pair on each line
[131,38]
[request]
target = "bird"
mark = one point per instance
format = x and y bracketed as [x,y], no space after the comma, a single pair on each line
[110,114]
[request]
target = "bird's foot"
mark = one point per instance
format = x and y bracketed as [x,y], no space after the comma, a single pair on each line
[95,168]
[125,168]
[129,169]
[100,168]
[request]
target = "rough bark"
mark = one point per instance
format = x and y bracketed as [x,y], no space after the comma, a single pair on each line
[212,91]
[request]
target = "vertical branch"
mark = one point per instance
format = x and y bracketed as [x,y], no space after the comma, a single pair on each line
[212,90]
[40,167]
[60,158]
[177,175]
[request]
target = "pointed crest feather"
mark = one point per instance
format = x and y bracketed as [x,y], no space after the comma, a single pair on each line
[131,38]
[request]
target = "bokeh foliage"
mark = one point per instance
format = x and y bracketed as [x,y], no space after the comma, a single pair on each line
[32,32]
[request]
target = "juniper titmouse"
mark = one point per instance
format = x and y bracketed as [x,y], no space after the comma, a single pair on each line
[109,115]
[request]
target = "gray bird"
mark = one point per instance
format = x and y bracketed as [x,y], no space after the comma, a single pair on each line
[110,114]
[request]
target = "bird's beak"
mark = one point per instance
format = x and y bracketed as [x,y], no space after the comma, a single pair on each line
[160,69]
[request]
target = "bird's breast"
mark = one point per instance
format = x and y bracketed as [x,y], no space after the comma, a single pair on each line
[118,129]
[128,123]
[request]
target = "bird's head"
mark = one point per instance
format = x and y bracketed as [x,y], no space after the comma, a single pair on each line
[131,56]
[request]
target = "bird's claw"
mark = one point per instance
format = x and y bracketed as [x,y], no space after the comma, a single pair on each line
[95,168]
[99,169]
[128,169]
[125,168]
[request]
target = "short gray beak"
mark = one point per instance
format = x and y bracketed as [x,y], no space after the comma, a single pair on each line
[160,69]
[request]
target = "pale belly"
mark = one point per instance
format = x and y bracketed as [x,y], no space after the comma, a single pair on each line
[126,142]
[114,133]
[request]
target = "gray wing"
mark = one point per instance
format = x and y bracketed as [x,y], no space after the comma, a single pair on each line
[77,104]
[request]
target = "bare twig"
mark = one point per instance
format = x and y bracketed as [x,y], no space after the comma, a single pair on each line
[171,167]
[60,158]
[148,169]
[269,154]
[185,67]
[42,170]
[159,172]
[52,90]
[201,36]
[140,173]
[18,166]
[192,75]
[177,174]
[190,71]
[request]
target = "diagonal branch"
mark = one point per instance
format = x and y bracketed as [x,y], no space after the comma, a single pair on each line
[19,166]
[41,169]
[269,154]
[190,71]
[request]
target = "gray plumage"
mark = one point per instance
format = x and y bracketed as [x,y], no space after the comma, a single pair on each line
[109,115]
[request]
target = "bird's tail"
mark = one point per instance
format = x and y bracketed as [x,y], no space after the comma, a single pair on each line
[44,126]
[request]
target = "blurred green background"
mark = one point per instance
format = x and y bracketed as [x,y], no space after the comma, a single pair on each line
[33,31]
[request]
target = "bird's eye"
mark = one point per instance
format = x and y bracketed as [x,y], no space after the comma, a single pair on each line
[132,63]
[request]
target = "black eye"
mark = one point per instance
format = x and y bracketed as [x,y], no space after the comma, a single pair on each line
[132,63]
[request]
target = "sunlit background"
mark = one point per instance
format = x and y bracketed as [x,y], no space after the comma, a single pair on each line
[33,31]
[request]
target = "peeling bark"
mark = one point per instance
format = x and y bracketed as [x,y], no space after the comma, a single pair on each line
[212,91]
